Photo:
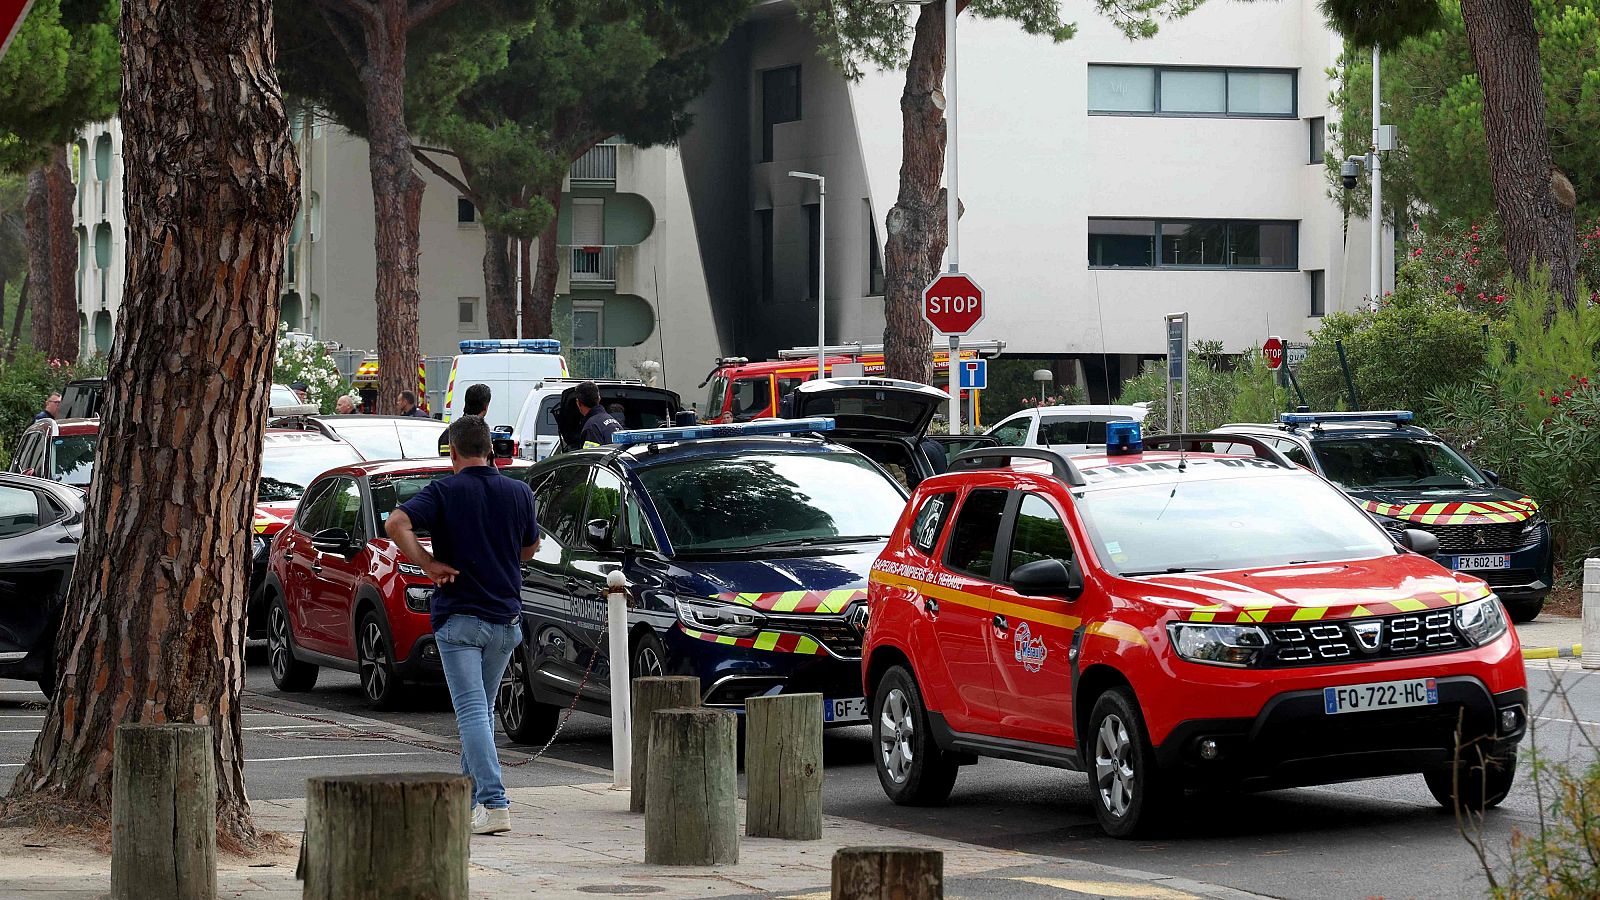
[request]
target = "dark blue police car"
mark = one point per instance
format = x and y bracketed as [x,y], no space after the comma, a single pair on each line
[745,551]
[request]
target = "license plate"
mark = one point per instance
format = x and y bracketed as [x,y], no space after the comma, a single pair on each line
[1494,561]
[1380,695]
[853,709]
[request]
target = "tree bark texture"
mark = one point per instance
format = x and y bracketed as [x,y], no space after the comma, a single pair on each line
[538,313]
[916,225]
[156,605]
[17,316]
[1534,198]
[59,192]
[499,285]
[40,279]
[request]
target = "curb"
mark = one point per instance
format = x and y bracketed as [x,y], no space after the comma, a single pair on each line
[1566,651]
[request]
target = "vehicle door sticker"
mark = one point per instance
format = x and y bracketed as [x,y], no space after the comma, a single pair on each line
[1029,650]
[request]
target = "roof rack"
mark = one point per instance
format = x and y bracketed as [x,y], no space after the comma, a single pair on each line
[1399,417]
[1263,449]
[303,422]
[1061,466]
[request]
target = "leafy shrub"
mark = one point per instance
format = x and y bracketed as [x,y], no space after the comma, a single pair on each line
[1222,389]
[25,383]
[308,361]
[1467,262]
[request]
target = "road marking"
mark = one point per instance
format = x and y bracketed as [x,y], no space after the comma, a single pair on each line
[19,731]
[1568,721]
[1111,888]
[21,715]
[288,727]
[23,693]
[335,756]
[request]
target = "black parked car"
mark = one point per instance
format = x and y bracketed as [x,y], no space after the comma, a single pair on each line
[41,523]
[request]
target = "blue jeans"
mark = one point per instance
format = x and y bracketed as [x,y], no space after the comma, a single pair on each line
[475,654]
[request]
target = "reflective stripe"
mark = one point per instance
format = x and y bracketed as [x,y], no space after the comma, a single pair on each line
[974,601]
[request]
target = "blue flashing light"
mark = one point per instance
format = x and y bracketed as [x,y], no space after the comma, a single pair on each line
[702,432]
[1123,438]
[549,346]
[1397,416]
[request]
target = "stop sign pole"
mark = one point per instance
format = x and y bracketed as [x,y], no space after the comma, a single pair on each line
[953,304]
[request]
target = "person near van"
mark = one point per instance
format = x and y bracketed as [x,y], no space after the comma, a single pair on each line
[598,425]
[52,407]
[483,527]
[409,407]
[478,400]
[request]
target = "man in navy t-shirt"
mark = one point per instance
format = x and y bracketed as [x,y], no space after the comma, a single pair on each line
[483,528]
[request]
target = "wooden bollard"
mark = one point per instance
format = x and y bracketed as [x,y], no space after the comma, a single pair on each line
[386,837]
[164,813]
[783,766]
[649,695]
[879,873]
[691,812]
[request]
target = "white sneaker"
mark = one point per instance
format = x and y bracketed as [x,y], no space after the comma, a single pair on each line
[490,821]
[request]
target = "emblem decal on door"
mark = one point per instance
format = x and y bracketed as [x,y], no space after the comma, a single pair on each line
[1030,650]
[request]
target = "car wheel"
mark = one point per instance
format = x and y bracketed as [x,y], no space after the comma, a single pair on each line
[1130,790]
[1523,611]
[1482,784]
[524,719]
[288,674]
[375,664]
[649,656]
[911,767]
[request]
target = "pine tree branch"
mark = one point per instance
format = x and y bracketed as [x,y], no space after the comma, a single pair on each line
[426,11]
[420,154]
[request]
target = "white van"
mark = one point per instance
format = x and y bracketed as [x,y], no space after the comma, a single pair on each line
[511,369]
[549,421]
[1076,430]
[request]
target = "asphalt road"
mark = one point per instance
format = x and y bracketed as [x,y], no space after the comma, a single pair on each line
[1384,838]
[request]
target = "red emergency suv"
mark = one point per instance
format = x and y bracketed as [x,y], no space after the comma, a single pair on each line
[1163,619]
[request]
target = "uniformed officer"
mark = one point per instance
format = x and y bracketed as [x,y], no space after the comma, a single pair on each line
[598,425]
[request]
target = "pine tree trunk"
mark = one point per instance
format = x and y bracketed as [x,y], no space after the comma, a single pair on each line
[1534,199]
[157,600]
[40,281]
[63,257]
[539,315]
[500,304]
[916,224]
[17,317]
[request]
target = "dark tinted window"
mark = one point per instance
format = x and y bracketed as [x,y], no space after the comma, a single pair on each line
[74,458]
[1393,463]
[1296,453]
[22,460]
[19,511]
[780,102]
[560,501]
[1011,434]
[1038,533]
[344,508]
[929,522]
[977,530]
[605,496]
[1122,242]
[389,493]
[1319,291]
[752,397]
[313,508]
[1074,431]
[1318,132]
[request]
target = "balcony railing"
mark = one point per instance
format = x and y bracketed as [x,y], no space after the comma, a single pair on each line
[592,362]
[598,166]
[592,266]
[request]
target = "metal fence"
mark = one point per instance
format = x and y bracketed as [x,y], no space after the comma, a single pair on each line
[597,166]
[592,266]
[592,362]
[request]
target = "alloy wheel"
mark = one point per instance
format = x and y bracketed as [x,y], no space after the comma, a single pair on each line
[513,692]
[1113,771]
[647,663]
[278,642]
[374,661]
[896,731]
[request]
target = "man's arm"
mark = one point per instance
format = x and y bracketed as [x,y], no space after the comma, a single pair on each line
[529,551]
[399,529]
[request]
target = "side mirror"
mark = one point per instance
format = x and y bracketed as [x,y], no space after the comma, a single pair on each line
[1049,578]
[599,534]
[333,540]
[1492,475]
[1419,541]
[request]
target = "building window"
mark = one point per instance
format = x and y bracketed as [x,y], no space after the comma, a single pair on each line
[466,213]
[314,216]
[1191,91]
[1193,244]
[813,247]
[780,102]
[467,313]
[1319,291]
[874,255]
[766,237]
[1318,133]
[588,324]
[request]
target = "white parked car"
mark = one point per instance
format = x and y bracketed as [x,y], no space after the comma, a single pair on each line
[549,420]
[1076,430]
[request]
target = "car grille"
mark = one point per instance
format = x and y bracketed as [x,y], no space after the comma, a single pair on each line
[1506,577]
[1324,643]
[833,632]
[1497,537]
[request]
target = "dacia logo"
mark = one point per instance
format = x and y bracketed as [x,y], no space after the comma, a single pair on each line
[857,618]
[1370,634]
[1030,650]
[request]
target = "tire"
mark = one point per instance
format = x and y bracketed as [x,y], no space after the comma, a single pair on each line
[1523,611]
[47,678]
[1481,786]
[288,674]
[523,719]
[380,684]
[649,658]
[1131,793]
[900,729]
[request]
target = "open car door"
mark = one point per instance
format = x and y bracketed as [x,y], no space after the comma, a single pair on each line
[642,407]
[885,419]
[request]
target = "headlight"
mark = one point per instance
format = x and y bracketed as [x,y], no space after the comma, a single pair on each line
[261,544]
[1532,526]
[418,596]
[414,571]
[1218,645]
[721,618]
[1481,620]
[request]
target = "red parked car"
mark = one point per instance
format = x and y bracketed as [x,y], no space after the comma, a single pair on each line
[1164,619]
[339,593]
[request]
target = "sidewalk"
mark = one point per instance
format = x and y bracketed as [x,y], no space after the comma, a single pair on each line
[576,841]
[1551,637]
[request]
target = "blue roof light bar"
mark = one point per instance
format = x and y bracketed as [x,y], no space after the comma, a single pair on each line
[1398,416]
[701,432]
[549,346]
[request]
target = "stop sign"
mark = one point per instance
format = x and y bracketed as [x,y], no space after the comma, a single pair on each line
[1272,350]
[953,303]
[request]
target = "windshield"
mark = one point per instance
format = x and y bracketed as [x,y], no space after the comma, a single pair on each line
[394,440]
[390,492]
[1227,523]
[729,503]
[715,398]
[74,458]
[1389,463]
[286,471]
[282,396]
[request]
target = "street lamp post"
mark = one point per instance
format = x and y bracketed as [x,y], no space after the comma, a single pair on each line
[822,269]
[1377,181]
